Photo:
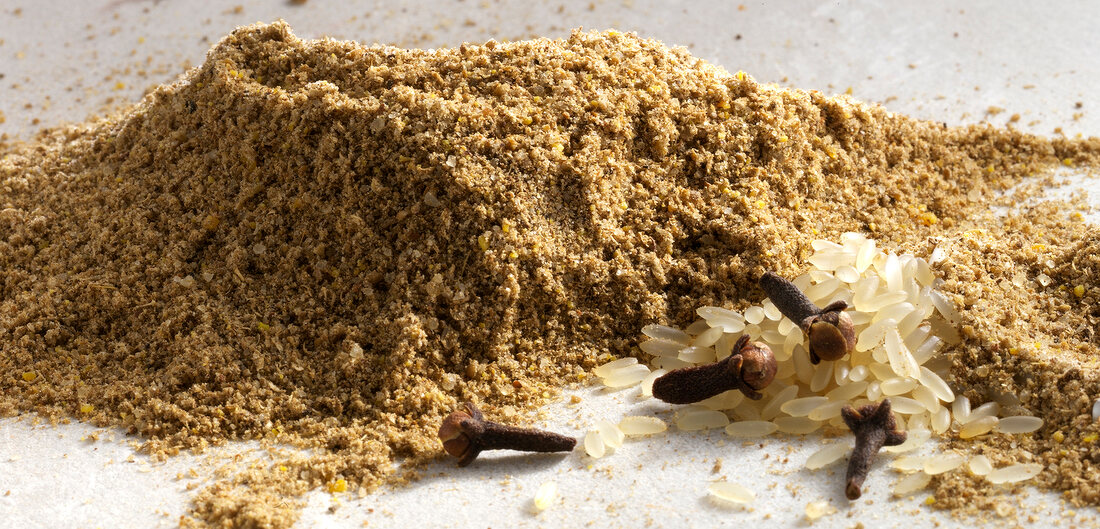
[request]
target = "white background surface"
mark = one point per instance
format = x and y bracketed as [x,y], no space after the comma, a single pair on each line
[65,60]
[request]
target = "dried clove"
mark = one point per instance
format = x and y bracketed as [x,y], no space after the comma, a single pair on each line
[874,427]
[829,330]
[465,434]
[750,369]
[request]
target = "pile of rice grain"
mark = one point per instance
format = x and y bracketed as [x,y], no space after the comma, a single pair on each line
[330,245]
[901,321]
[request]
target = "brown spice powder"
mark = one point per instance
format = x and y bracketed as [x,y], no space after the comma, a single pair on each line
[330,245]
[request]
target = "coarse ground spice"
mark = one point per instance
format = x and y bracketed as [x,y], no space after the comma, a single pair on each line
[330,245]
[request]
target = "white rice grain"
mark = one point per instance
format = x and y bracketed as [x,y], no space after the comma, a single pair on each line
[923,274]
[1014,473]
[802,407]
[960,409]
[1019,424]
[914,440]
[908,463]
[873,335]
[697,327]
[605,369]
[751,428]
[933,382]
[860,319]
[826,245]
[941,420]
[594,445]
[911,483]
[829,259]
[726,400]
[708,337]
[898,385]
[748,410]
[661,347]
[664,332]
[731,492]
[989,409]
[892,273]
[922,344]
[771,311]
[946,308]
[796,425]
[638,425]
[840,372]
[772,336]
[754,315]
[774,406]
[906,405]
[910,323]
[790,343]
[858,373]
[901,361]
[926,350]
[822,376]
[610,433]
[863,291]
[883,299]
[754,331]
[847,392]
[980,465]
[697,355]
[847,274]
[822,293]
[626,376]
[730,321]
[787,327]
[785,370]
[926,398]
[827,456]
[918,421]
[545,496]
[943,463]
[723,348]
[945,331]
[874,391]
[896,312]
[976,427]
[881,371]
[939,255]
[827,411]
[668,363]
[865,255]
[647,382]
[818,509]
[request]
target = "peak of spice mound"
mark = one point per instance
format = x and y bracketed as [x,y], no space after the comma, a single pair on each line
[331,245]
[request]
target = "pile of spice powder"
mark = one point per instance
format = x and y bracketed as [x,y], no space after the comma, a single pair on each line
[330,245]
